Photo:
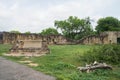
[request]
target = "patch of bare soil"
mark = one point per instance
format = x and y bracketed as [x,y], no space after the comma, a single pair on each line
[30,63]
[26,54]
[26,61]
[33,64]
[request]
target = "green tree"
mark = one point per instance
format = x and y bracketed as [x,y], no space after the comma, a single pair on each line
[74,28]
[108,24]
[28,32]
[14,31]
[49,31]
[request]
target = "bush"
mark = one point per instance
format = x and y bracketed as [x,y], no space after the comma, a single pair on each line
[106,53]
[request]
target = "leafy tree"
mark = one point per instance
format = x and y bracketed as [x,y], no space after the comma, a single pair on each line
[14,31]
[108,24]
[49,31]
[74,28]
[28,32]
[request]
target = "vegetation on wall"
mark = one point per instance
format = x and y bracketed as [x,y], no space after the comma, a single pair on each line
[28,32]
[49,31]
[14,31]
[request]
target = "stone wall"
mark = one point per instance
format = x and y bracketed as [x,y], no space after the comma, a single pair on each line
[113,37]
[103,38]
[10,38]
[94,39]
[110,37]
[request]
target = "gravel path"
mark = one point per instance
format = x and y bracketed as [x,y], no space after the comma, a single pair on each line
[13,71]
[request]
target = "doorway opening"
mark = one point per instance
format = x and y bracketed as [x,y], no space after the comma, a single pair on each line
[118,40]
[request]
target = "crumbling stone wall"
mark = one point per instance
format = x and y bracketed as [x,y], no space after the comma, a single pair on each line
[110,37]
[113,36]
[56,39]
[94,39]
[11,38]
[103,38]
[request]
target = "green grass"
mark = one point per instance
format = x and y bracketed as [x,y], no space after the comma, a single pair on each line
[4,48]
[63,61]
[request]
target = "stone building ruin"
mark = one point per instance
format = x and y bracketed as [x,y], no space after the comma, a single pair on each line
[110,37]
[36,44]
[11,38]
[103,38]
[30,44]
[29,48]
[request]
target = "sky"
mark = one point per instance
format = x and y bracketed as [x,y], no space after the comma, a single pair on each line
[36,15]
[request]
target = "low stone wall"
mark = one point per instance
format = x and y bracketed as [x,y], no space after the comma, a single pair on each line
[29,47]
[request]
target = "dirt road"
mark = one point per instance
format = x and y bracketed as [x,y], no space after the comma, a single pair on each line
[13,71]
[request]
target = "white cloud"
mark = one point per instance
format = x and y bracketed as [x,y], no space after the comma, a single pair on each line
[24,16]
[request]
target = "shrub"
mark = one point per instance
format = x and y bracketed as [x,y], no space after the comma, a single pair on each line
[106,53]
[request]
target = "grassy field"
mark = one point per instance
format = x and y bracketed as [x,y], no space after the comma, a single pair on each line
[63,61]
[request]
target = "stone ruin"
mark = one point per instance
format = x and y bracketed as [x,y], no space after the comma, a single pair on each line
[103,38]
[36,44]
[30,44]
[109,37]
[29,48]
[11,38]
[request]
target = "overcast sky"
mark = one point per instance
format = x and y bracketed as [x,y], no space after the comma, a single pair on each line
[35,15]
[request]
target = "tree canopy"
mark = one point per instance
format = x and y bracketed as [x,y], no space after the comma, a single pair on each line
[74,28]
[14,31]
[49,31]
[28,32]
[108,24]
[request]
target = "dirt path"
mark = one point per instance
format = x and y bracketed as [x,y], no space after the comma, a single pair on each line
[13,71]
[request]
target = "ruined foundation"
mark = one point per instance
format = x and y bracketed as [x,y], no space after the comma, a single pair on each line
[29,48]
